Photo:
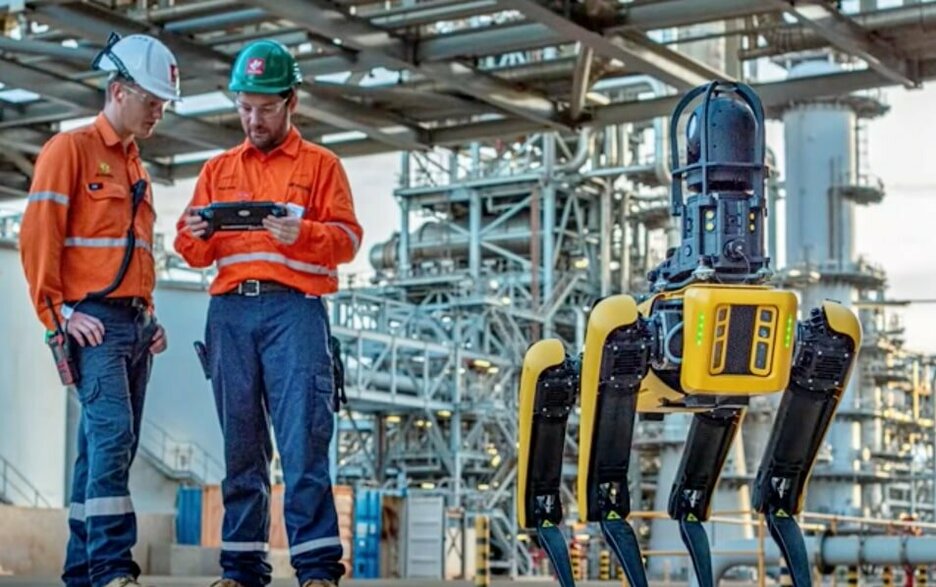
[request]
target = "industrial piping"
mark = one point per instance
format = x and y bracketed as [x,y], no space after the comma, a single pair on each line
[830,551]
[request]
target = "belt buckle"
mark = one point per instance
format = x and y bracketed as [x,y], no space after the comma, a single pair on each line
[249,288]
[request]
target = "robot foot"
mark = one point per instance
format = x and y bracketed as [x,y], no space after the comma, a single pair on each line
[622,540]
[554,543]
[786,533]
[696,540]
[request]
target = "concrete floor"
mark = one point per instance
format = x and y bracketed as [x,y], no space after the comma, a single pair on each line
[206,581]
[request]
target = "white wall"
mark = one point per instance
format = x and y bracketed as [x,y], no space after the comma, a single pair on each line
[32,541]
[179,399]
[32,400]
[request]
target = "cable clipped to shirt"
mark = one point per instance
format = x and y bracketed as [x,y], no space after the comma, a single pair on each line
[137,193]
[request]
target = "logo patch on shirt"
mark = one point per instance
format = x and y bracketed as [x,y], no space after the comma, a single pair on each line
[255,66]
[103,168]
[95,186]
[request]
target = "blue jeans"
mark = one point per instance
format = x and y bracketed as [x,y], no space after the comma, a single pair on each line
[113,382]
[269,360]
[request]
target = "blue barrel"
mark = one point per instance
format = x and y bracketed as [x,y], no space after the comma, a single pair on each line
[188,515]
[366,551]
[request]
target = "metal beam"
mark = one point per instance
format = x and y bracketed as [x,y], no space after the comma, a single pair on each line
[348,115]
[774,95]
[47,49]
[581,81]
[83,17]
[846,35]
[378,47]
[417,15]
[88,21]
[644,55]
[90,100]
[647,16]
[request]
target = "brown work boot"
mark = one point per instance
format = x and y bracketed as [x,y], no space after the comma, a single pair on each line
[320,583]
[226,583]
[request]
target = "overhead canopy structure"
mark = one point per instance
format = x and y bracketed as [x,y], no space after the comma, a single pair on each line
[413,74]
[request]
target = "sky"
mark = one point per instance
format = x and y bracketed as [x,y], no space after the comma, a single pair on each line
[895,233]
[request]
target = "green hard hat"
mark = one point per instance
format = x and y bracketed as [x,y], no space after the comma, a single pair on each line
[264,67]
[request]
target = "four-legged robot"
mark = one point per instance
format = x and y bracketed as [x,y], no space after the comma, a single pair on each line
[710,335]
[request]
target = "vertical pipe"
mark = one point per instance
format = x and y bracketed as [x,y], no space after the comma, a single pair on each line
[403,244]
[605,235]
[405,169]
[475,160]
[474,238]
[455,446]
[453,166]
[549,218]
[380,450]
[625,245]
[535,242]
[773,197]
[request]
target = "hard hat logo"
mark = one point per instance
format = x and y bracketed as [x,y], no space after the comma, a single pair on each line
[173,73]
[255,66]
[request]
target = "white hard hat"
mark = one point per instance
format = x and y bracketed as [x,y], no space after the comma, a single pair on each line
[144,61]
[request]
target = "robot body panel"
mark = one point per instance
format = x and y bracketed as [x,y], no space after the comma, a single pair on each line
[738,340]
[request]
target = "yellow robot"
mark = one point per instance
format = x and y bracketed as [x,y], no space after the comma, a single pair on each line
[710,335]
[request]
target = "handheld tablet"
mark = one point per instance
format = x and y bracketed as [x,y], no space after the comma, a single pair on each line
[240,215]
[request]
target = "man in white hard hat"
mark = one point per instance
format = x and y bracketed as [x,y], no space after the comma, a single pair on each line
[86,245]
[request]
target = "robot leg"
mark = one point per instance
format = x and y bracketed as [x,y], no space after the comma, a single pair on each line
[548,386]
[616,359]
[707,446]
[825,354]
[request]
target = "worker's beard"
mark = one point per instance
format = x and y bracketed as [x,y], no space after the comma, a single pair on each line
[267,138]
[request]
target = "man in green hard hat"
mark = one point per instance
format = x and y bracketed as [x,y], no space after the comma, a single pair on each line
[267,331]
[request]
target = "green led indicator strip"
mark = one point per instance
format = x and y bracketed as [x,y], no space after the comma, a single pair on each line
[788,336]
[700,330]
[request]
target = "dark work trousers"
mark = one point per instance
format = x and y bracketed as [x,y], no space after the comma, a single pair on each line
[113,382]
[269,360]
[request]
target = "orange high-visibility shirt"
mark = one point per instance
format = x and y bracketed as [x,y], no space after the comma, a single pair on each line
[311,182]
[74,230]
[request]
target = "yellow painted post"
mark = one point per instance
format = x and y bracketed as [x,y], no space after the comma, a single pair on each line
[785,579]
[852,576]
[604,565]
[761,563]
[887,576]
[482,551]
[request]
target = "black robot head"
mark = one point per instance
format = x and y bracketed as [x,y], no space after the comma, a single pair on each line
[731,139]
[725,144]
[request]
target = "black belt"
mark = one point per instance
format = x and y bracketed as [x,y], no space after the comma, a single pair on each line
[121,302]
[254,287]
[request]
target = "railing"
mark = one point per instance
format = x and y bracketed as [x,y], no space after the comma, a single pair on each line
[184,461]
[16,488]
